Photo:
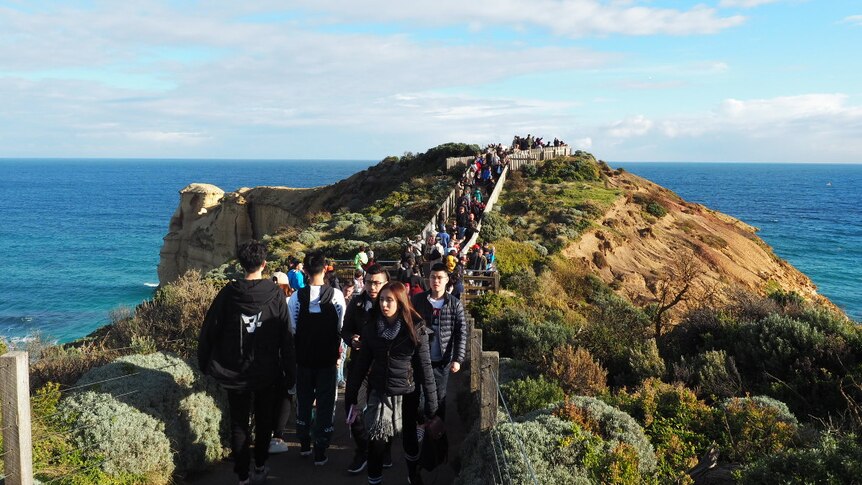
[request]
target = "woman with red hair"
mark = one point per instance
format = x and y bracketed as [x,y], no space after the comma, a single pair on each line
[396,358]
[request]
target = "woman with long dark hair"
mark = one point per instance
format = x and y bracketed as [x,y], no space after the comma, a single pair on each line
[396,358]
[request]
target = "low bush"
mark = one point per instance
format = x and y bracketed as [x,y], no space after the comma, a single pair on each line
[190,409]
[755,427]
[495,227]
[836,458]
[677,423]
[599,444]
[615,327]
[124,439]
[171,320]
[576,371]
[528,394]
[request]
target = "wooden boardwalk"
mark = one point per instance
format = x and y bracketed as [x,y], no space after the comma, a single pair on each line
[291,468]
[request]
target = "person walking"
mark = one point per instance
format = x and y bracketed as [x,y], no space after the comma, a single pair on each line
[355,319]
[246,346]
[444,315]
[316,316]
[396,360]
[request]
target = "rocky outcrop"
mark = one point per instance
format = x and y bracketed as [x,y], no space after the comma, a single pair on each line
[210,224]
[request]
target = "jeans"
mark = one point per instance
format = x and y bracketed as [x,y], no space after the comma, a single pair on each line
[282,404]
[240,403]
[315,384]
[441,378]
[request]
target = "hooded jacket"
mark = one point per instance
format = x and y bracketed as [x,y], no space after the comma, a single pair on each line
[245,342]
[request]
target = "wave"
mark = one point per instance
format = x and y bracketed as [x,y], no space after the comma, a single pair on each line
[152,285]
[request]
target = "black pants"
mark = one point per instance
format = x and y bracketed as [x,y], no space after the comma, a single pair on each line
[410,417]
[240,403]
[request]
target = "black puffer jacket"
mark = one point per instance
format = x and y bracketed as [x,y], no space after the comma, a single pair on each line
[245,341]
[396,366]
[453,325]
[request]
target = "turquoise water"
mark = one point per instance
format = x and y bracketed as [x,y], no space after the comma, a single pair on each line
[82,237]
[811,214]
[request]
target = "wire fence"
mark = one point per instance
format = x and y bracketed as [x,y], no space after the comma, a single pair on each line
[516,432]
[46,431]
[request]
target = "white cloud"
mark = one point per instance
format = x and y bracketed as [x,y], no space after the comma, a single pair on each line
[853,19]
[573,18]
[630,127]
[810,127]
[744,3]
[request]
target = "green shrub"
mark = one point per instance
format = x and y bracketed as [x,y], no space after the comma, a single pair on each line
[676,422]
[755,427]
[191,408]
[712,373]
[615,327]
[834,459]
[515,256]
[527,395]
[171,320]
[308,238]
[125,439]
[491,306]
[494,227]
[522,281]
[656,209]
[357,230]
[603,445]
[569,169]
[3,347]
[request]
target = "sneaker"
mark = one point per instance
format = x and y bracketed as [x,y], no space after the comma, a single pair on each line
[247,481]
[277,445]
[320,458]
[358,464]
[260,474]
[305,449]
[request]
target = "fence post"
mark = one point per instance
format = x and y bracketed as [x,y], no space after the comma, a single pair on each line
[496,281]
[476,360]
[15,385]
[488,393]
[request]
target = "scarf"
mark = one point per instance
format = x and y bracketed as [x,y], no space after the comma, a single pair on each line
[383,416]
[388,332]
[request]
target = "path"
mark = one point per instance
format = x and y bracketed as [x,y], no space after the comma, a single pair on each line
[292,468]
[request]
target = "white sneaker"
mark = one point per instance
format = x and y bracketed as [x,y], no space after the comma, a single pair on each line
[277,445]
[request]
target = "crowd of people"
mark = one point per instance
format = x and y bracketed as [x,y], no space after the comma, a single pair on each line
[294,339]
[270,344]
[530,142]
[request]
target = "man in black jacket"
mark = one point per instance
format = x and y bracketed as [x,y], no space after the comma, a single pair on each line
[246,345]
[444,316]
[354,320]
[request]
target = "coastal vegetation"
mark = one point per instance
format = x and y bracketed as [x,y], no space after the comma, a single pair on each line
[604,385]
[738,385]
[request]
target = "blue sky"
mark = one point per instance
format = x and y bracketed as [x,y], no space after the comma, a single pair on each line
[719,80]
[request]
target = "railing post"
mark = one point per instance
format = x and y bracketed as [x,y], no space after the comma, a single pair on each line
[488,394]
[17,439]
[476,360]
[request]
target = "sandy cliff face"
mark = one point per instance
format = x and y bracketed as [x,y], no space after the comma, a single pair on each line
[637,253]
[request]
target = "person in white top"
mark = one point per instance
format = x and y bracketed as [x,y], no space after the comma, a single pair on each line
[316,316]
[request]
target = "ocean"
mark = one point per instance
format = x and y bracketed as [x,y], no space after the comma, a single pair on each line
[82,237]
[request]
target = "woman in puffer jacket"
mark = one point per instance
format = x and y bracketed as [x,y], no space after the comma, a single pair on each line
[396,358]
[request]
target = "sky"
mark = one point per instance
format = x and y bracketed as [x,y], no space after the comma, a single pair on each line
[628,80]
